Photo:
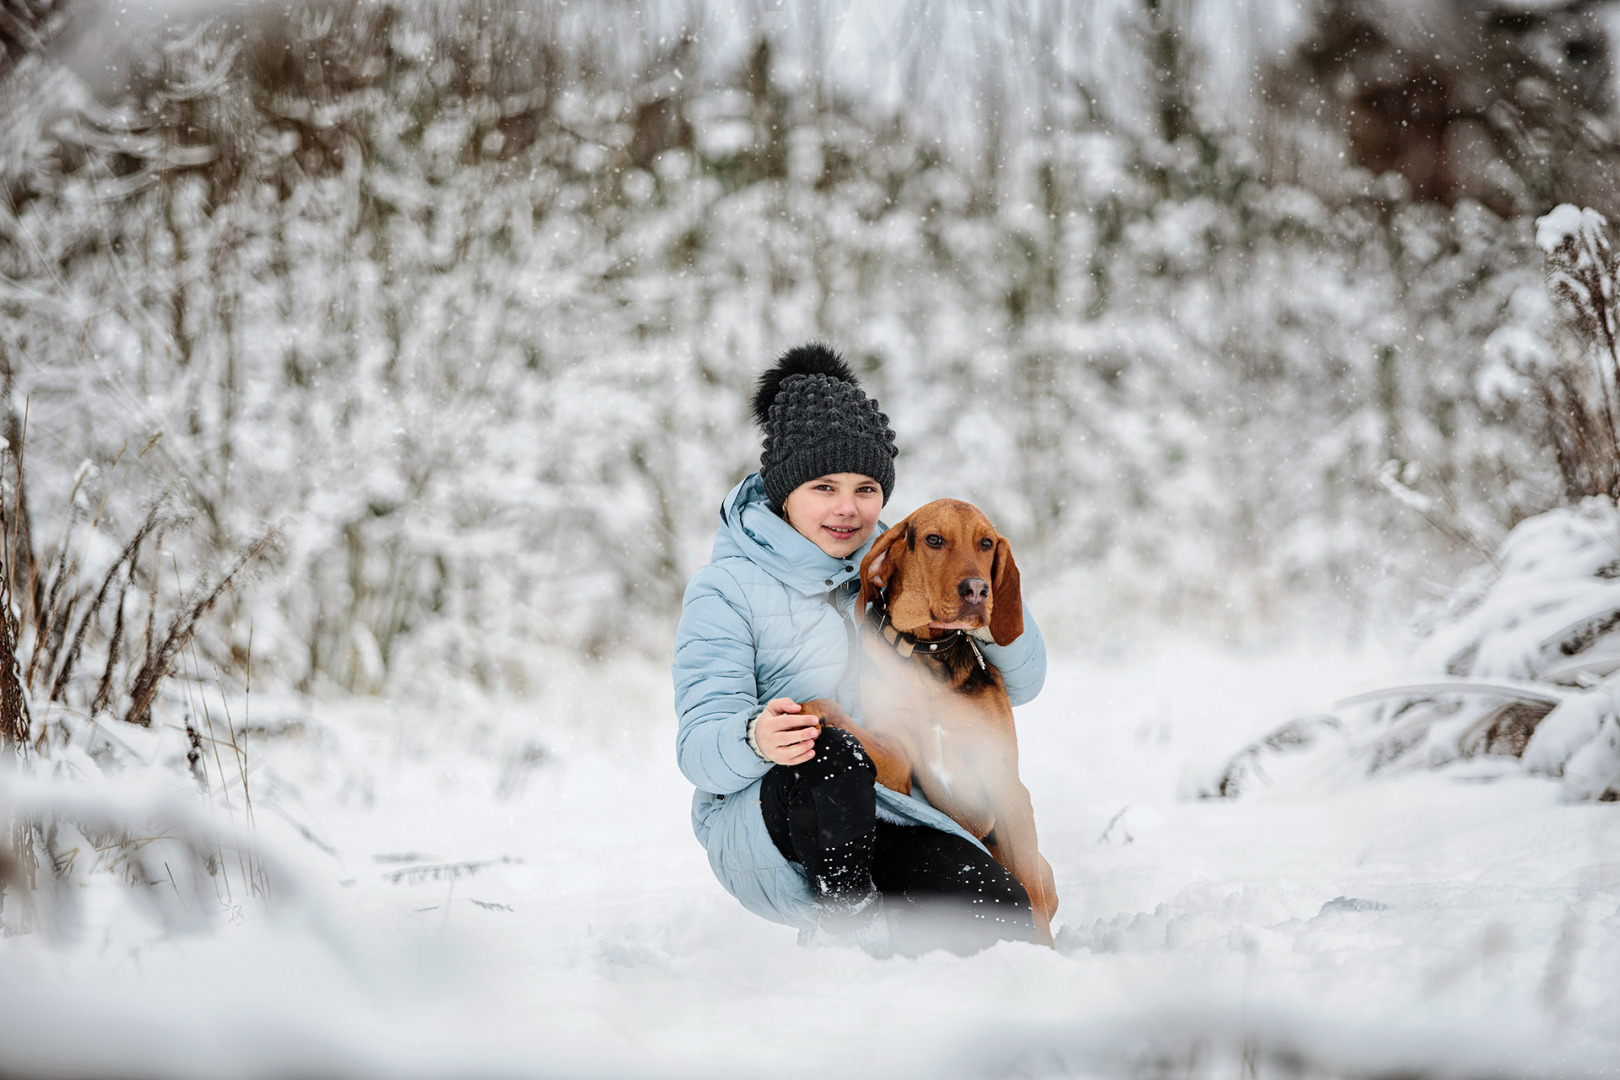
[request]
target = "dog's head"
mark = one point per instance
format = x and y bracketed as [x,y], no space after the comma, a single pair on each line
[946,568]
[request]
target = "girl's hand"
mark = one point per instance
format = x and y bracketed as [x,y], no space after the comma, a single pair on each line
[784,736]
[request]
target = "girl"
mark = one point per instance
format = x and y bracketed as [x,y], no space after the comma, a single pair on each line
[795,825]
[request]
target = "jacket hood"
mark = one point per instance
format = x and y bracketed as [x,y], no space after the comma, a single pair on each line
[750,529]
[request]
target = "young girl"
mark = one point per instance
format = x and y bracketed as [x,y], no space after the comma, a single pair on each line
[794,822]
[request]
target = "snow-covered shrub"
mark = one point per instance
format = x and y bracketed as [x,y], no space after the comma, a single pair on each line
[1525,662]
[112,672]
[95,623]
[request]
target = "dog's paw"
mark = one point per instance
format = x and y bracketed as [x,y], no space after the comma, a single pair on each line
[828,711]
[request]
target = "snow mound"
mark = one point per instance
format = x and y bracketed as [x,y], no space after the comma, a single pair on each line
[1523,671]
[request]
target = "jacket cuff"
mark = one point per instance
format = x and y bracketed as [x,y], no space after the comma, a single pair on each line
[1022,662]
[753,744]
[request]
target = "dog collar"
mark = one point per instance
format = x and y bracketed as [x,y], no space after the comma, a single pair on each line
[909,644]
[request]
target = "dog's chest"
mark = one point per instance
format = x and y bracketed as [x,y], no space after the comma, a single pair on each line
[948,734]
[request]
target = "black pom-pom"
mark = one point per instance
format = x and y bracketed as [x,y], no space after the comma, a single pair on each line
[803,360]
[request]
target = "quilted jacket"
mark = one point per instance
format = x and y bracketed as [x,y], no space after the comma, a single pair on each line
[772,615]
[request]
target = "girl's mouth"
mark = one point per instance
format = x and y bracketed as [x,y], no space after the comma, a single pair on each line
[841,534]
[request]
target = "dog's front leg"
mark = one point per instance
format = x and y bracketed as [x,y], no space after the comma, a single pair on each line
[1015,847]
[893,767]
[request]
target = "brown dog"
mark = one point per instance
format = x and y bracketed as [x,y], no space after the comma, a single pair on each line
[937,714]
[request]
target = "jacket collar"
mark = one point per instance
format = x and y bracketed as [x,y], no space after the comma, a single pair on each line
[749,528]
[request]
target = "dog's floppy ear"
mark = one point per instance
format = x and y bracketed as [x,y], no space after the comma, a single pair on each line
[881,564]
[1006,602]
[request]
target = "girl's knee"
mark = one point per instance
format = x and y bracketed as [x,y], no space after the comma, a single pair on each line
[841,752]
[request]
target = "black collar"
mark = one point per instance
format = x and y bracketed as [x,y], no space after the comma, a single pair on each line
[908,644]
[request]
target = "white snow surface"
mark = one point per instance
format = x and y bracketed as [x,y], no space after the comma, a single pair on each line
[1457,923]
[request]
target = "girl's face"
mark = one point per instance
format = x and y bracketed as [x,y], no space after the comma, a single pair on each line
[837,512]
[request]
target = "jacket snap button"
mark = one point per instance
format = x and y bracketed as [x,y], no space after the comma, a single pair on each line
[720,798]
[829,581]
[849,568]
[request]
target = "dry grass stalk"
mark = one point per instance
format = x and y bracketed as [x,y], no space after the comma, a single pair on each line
[182,628]
[418,875]
[15,722]
[1583,426]
[154,519]
[50,617]
[114,648]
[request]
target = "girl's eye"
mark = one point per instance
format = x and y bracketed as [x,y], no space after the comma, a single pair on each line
[985,544]
[935,540]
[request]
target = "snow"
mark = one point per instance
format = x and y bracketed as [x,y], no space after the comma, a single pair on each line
[1593,770]
[566,923]
[1566,729]
[1567,224]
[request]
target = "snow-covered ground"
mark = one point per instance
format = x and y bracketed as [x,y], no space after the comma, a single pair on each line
[1460,923]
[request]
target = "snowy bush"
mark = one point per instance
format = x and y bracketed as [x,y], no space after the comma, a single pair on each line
[113,692]
[1525,665]
[1525,662]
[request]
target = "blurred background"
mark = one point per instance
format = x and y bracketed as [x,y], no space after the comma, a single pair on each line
[1223,310]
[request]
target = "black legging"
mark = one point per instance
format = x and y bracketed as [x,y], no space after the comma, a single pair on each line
[944,891]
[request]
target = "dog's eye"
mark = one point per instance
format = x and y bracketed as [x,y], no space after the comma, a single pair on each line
[934,540]
[985,544]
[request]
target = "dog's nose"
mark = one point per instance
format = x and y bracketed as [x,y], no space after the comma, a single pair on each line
[974,590]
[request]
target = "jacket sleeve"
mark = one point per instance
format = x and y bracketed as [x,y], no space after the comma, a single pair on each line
[1022,663]
[716,693]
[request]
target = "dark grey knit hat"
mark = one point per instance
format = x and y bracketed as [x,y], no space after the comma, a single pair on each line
[817,421]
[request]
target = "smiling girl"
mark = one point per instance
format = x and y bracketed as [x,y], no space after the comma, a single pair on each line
[794,822]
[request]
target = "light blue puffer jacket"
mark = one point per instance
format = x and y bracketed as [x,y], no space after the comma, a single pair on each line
[768,617]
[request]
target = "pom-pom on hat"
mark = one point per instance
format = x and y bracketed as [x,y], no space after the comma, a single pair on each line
[818,421]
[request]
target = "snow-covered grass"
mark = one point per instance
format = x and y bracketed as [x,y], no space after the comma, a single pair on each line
[466,904]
